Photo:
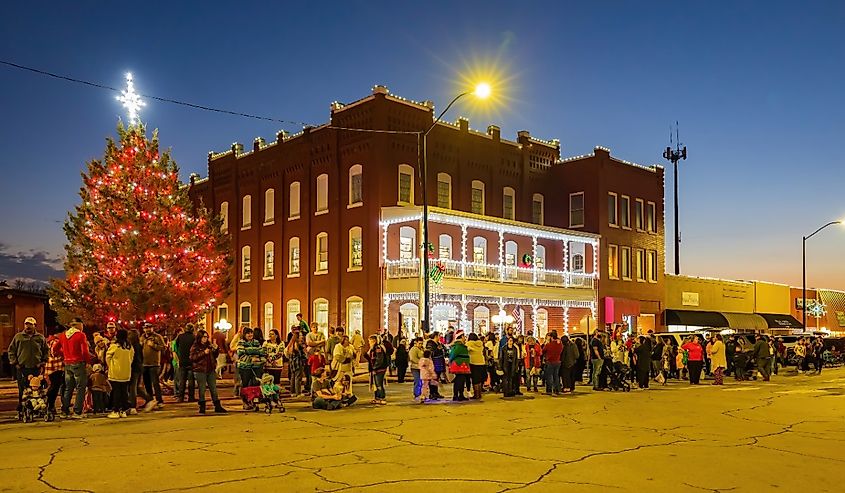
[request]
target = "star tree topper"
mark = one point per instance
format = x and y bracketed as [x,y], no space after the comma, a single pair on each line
[131,100]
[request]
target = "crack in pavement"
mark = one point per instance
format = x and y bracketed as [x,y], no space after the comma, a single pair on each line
[438,480]
[42,470]
[714,490]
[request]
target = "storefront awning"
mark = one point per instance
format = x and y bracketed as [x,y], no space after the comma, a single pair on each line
[695,318]
[616,308]
[778,321]
[745,321]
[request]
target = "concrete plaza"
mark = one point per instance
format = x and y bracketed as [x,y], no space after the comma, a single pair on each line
[784,435]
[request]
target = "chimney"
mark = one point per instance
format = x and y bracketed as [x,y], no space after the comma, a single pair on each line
[523,137]
[463,124]
[281,135]
[257,144]
[237,148]
[494,132]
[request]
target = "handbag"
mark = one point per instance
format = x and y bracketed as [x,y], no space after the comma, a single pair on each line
[459,369]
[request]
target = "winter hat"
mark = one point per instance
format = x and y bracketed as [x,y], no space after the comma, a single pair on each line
[266,379]
[459,334]
[97,368]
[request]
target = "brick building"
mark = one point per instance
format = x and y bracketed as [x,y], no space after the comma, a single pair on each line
[327,222]
[623,203]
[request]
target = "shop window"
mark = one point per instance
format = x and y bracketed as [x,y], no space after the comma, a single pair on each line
[293,307]
[268,318]
[481,320]
[542,322]
[321,314]
[354,315]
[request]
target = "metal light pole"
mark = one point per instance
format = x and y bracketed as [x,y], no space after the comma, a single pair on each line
[482,91]
[804,271]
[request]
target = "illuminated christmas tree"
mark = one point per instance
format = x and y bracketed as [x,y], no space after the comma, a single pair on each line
[138,250]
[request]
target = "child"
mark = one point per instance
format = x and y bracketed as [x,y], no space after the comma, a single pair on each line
[316,361]
[100,387]
[429,378]
[270,392]
[34,397]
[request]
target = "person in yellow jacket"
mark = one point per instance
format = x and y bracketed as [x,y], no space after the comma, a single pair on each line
[119,360]
[718,361]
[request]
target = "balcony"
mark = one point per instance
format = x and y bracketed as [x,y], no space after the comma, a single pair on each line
[454,269]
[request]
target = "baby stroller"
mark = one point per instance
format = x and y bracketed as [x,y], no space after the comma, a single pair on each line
[266,393]
[619,377]
[34,402]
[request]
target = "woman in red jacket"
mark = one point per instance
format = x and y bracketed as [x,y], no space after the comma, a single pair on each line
[695,359]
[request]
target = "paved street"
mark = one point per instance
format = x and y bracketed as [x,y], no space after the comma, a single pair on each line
[785,435]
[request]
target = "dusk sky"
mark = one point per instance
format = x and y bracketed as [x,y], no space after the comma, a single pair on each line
[756,86]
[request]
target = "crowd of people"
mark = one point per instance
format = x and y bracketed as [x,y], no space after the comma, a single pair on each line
[107,373]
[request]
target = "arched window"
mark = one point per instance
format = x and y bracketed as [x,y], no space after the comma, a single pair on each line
[480,319]
[540,262]
[223,312]
[479,250]
[511,251]
[269,260]
[268,318]
[246,314]
[224,217]
[293,307]
[322,252]
[354,314]
[444,246]
[537,208]
[293,256]
[246,211]
[321,314]
[246,266]
[406,185]
[356,249]
[444,190]
[293,212]
[407,243]
[577,250]
[542,322]
[477,199]
[509,203]
[577,263]
[269,206]
[356,185]
[322,194]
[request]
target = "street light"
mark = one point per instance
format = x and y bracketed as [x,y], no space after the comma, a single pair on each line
[481,91]
[804,271]
[501,319]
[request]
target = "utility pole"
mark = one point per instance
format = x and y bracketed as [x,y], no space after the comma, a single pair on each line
[675,155]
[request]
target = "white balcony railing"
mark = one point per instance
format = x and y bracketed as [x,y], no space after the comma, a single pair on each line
[405,269]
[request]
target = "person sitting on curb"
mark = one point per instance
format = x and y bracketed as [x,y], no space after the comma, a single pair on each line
[322,394]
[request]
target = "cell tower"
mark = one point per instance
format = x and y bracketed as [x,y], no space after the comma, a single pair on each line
[676,155]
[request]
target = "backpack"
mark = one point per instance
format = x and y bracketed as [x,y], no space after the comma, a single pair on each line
[388,348]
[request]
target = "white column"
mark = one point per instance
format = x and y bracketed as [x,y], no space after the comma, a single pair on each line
[534,257]
[501,256]
[464,319]
[463,250]
[534,314]
[566,319]
[566,263]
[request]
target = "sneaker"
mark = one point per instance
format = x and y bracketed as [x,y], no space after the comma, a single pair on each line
[113,415]
[159,405]
[75,416]
[65,415]
[132,411]
[149,406]
[123,413]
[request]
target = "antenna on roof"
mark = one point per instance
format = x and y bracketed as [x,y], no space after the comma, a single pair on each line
[675,155]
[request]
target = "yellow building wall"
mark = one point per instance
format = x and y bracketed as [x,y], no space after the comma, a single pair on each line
[710,295]
[771,298]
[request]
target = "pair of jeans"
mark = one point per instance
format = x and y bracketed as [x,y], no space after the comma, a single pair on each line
[133,390]
[307,369]
[417,382]
[553,377]
[23,375]
[249,377]
[763,367]
[296,381]
[152,384]
[186,376]
[119,396]
[100,399]
[378,380]
[568,374]
[458,386]
[76,378]
[57,383]
[209,380]
[596,364]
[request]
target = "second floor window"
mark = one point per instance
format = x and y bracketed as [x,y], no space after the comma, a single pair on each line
[246,212]
[246,266]
[356,249]
[537,209]
[477,199]
[625,262]
[322,193]
[444,191]
[322,252]
[293,268]
[269,206]
[407,242]
[576,210]
[508,204]
[356,183]
[651,218]
[293,212]
[269,260]
[224,217]
[638,215]
[625,211]
[612,209]
[406,184]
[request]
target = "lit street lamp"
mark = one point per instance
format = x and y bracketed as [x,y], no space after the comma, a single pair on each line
[804,271]
[482,91]
[502,319]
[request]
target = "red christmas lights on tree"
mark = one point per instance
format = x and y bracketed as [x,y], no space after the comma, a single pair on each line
[138,250]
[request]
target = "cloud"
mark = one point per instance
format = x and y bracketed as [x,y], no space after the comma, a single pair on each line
[30,265]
